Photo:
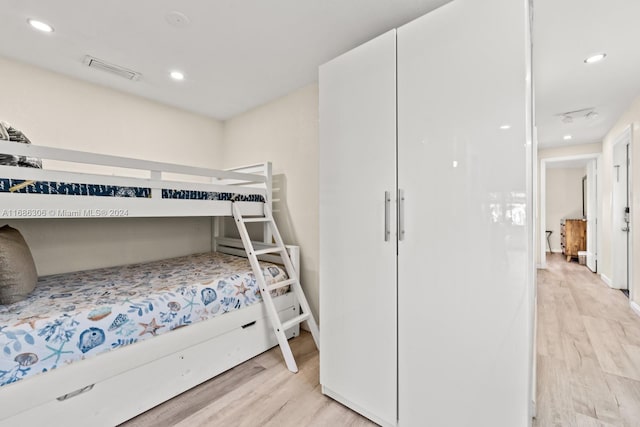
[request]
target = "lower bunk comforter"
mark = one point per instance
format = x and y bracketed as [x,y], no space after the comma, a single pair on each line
[74,316]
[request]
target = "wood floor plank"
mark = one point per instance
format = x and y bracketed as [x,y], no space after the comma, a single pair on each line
[554,403]
[590,393]
[577,350]
[267,394]
[633,351]
[588,353]
[610,351]
[245,406]
[304,408]
[627,395]
[628,331]
[586,421]
[174,410]
[284,397]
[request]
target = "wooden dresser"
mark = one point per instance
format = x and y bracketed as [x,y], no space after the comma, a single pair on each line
[573,237]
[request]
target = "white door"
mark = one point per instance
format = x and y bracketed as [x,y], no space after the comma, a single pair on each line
[464,261]
[358,278]
[620,214]
[591,207]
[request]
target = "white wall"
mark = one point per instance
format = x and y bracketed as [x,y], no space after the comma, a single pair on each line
[58,111]
[571,150]
[285,131]
[630,118]
[564,199]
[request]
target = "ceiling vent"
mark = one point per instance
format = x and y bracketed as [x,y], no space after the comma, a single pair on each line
[99,64]
[570,116]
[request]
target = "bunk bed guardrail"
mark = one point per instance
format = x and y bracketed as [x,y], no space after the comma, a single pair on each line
[249,185]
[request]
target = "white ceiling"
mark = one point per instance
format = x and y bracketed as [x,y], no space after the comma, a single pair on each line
[236,54]
[565,33]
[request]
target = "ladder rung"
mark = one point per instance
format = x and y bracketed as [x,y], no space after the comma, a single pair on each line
[258,219]
[279,326]
[295,321]
[268,250]
[281,284]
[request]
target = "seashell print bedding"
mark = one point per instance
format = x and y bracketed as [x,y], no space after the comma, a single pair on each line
[72,316]
[9,185]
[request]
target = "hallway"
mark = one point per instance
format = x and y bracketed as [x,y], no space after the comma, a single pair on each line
[588,350]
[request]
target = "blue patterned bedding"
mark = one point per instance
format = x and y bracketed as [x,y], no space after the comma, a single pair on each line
[8,185]
[73,316]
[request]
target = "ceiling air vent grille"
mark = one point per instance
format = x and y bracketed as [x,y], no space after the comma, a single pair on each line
[99,64]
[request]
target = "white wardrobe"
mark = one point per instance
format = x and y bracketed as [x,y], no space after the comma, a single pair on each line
[426,261]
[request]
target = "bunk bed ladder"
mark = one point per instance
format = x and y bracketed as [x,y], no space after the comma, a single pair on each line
[279,327]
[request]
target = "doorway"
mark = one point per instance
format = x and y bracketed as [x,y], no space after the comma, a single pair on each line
[588,190]
[620,213]
[590,211]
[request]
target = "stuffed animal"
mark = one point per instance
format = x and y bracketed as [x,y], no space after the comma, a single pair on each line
[9,133]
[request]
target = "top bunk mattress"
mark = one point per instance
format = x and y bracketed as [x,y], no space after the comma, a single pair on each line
[9,185]
[73,316]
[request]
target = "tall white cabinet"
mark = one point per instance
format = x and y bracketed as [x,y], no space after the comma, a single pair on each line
[426,267]
[357,238]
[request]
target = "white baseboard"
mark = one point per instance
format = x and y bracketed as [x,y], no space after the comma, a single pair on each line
[606,280]
[541,266]
[635,307]
[534,409]
[355,407]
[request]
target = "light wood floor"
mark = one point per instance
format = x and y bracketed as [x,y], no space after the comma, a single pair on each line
[588,350]
[588,369]
[260,392]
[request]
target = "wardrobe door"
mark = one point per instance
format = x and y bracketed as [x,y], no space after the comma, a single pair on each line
[357,229]
[465,260]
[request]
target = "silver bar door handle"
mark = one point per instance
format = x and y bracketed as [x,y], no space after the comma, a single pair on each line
[400,214]
[387,213]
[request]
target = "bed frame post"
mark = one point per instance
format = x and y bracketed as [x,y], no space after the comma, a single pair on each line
[294,254]
[156,193]
[217,226]
[268,172]
[215,232]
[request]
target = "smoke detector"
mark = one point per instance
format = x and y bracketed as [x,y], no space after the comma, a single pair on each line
[177,19]
[117,70]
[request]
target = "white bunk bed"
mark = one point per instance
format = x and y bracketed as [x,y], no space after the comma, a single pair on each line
[114,386]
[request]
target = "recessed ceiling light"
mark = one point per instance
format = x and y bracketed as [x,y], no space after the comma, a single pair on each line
[177,75]
[39,25]
[505,127]
[595,58]
[567,137]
